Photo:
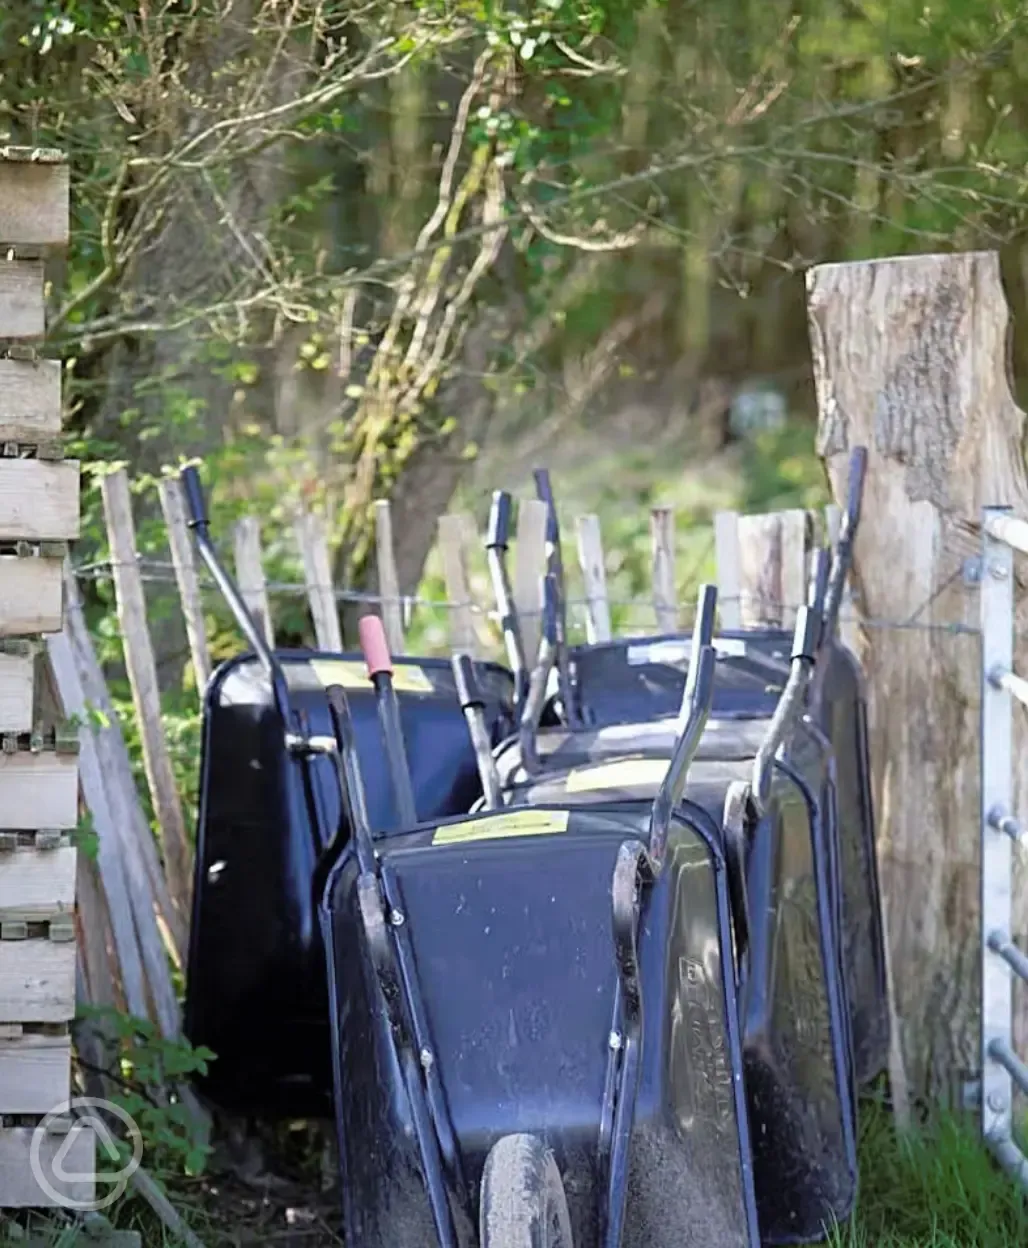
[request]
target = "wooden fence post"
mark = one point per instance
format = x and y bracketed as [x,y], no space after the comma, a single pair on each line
[772,567]
[594,574]
[142,673]
[388,580]
[317,572]
[662,546]
[910,361]
[528,573]
[452,531]
[250,574]
[183,560]
[729,568]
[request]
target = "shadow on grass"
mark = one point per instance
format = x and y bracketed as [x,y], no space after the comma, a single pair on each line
[937,1188]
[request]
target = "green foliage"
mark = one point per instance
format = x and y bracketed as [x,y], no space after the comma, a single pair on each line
[147,1071]
[935,1188]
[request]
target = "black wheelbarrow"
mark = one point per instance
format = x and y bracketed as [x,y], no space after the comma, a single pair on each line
[610,688]
[794,1020]
[269,829]
[535,1018]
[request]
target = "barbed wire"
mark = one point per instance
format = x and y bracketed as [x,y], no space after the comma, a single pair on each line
[162,572]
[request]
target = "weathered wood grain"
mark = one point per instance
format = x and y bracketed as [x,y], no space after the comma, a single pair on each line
[30,400]
[35,1075]
[594,575]
[388,578]
[772,567]
[250,574]
[39,500]
[317,574]
[452,533]
[36,884]
[31,595]
[528,572]
[728,558]
[662,569]
[77,1161]
[22,311]
[17,683]
[142,672]
[910,361]
[34,199]
[37,981]
[184,562]
[38,790]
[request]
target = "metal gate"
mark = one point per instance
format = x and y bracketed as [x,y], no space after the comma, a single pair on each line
[1002,534]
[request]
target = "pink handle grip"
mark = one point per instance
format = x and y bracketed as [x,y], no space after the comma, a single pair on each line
[374,645]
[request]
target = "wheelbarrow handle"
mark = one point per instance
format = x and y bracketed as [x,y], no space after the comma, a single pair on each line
[790,705]
[351,781]
[473,705]
[533,708]
[197,507]
[702,636]
[673,785]
[196,503]
[544,492]
[379,663]
[498,532]
[855,488]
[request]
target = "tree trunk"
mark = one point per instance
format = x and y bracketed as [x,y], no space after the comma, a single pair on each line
[909,361]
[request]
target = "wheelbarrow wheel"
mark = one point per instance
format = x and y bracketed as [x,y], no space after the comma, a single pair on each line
[523,1201]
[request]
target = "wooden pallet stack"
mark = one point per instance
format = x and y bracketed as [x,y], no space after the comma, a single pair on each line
[39,516]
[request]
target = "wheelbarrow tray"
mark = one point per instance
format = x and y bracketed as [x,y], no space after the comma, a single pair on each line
[256,986]
[797,1055]
[508,941]
[642,679]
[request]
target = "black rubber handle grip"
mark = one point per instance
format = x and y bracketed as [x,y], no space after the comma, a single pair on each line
[855,490]
[196,504]
[806,634]
[498,533]
[468,692]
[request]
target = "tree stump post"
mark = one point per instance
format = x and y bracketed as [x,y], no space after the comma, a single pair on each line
[909,361]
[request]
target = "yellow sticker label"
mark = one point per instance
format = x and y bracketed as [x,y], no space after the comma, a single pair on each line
[508,824]
[352,674]
[625,773]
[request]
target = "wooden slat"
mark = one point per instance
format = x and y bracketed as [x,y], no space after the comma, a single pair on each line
[37,980]
[388,579]
[136,891]
[77,1157]
[662,552]
[39,500]
[594,574]
[250,574]
[184,563]
[36,883]
[146,698]
[452,530]
[317,574]
[16,688]
[729,575]
[35,1075]
[38,790]
[528,572]
[796,534]
[31,595]
[30,400]
[98,949]
[34,199]
[22,313]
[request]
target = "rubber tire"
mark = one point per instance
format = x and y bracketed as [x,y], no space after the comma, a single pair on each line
[523,1202]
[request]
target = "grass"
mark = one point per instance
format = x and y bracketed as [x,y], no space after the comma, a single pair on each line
[936,1188]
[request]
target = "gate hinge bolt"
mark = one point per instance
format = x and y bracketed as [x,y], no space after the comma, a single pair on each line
[396,918]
